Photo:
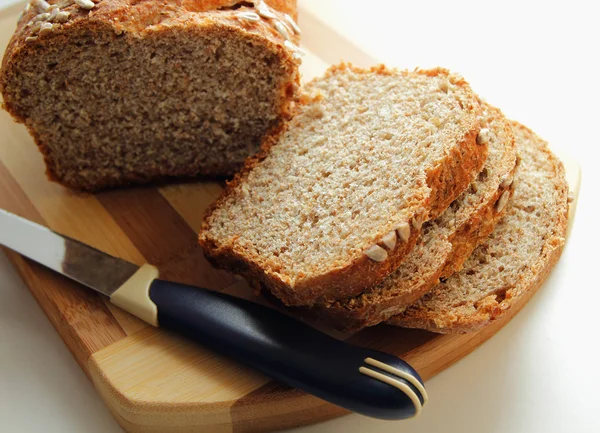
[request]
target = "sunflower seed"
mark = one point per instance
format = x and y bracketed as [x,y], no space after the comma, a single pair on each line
[389,240]
[376,253]
[503,201]
[403,231]
[292,24]
[41,5]
[248,16]
[85,4]
[297,51]
[264,11]
[35,26]
[40,17]
[62,17]
[53,14]
[46,29]
[282,30]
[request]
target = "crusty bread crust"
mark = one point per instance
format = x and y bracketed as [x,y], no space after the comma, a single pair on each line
[491,309]
[447,179]
[468,237]
[131,19]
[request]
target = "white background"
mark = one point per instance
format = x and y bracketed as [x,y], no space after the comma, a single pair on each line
[538,62]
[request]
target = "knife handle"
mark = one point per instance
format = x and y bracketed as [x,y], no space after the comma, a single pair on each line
[362,380]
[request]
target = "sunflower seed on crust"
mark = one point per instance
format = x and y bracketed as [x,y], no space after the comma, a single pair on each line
[62,17]
[292,24]
[264,11]
[41,5]
[376,253]
[45,29]
[389,240]
[282,30]
[248,16]
[85,4]
[403,231]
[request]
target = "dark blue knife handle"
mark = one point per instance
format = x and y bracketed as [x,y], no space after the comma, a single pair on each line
[285,349]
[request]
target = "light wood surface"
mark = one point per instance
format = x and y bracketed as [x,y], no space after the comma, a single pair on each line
[150,380]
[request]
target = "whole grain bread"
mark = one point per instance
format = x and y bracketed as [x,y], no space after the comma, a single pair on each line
[335,204]
[446,242]
[117,92]
[516,258]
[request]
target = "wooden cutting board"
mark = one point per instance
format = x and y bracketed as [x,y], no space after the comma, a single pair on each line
[150,380]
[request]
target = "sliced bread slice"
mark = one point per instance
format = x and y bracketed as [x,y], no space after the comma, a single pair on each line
[516,258]
[335,204]
[446,242]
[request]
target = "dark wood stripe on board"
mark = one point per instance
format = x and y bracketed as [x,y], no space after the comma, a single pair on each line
[163,237]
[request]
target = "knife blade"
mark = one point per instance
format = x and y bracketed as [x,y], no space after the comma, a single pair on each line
[362,380]
[67,256]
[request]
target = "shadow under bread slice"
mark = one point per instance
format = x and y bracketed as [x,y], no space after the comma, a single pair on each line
[446,242]
[516,258]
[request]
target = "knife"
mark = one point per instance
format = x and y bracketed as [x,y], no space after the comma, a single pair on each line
[362,380]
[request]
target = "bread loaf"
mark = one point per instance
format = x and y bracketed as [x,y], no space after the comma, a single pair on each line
[515,259]
[446,242]
[335,204]
[116,92]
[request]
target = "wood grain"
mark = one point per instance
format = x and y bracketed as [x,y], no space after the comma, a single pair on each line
[150,380]
[191,200]
[80,316]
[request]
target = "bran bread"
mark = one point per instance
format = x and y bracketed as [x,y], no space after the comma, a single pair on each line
[121,92]
[515,259]
[335,204]
[446,242]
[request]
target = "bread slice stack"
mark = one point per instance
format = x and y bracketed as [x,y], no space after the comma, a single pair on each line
[388,198]
[338,201]
[445,243]
[514,260]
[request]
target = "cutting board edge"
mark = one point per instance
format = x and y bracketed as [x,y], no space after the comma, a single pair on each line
[129,409]
[176,419]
